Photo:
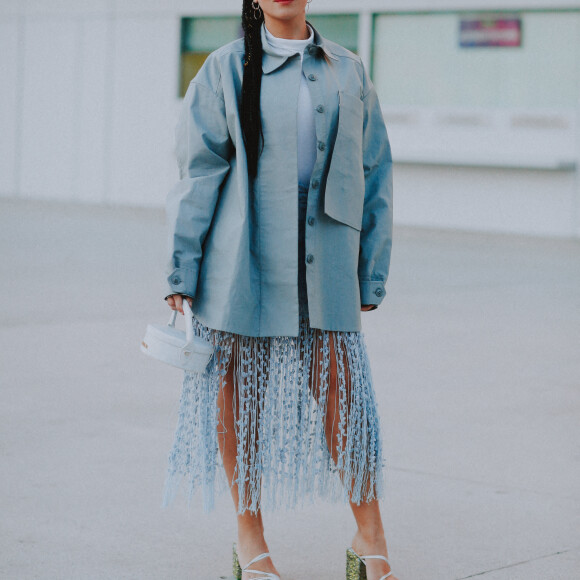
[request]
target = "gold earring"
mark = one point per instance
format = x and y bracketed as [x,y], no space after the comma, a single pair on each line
[257,10]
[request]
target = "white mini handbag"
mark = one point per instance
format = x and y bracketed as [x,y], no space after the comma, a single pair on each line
[175,347]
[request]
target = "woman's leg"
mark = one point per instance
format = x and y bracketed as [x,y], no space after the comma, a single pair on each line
[370,535]
[251,541]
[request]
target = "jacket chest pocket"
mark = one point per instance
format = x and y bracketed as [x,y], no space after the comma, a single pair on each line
[345,186]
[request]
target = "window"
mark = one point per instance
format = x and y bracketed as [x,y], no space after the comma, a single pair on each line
[418,60]
[199,37]
[449,102]
[340,28]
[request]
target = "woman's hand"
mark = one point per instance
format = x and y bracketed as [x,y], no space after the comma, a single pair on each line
[367,307]
[175,302]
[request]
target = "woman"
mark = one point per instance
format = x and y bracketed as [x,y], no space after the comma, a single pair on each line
[280,234]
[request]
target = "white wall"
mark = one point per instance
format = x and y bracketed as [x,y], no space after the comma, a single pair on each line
[144,88]
[88,102]
[10,91]
[50,104]
[88,105]
[493,199]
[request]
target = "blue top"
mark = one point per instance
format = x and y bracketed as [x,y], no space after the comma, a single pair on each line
[233,245]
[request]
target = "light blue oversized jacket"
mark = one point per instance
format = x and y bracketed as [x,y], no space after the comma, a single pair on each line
[233,244]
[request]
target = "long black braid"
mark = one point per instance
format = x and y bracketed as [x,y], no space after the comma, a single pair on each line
[250,118]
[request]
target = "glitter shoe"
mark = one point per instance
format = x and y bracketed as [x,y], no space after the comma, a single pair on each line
[356,568]
[263,575]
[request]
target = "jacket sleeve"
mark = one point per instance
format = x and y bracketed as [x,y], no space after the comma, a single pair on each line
[377,224]
[203,149]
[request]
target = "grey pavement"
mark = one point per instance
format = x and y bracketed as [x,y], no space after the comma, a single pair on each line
[476,364]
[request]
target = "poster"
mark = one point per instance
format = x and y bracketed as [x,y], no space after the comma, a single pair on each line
[489,31]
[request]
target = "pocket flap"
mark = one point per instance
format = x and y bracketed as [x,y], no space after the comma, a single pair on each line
[345,186]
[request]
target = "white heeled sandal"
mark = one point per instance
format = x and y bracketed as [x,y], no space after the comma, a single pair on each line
[264,575]
[356,568]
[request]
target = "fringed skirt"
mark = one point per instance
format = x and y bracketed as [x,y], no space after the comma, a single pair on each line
[303,411]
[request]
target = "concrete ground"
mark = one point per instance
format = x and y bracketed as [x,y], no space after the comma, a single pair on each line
[476,362]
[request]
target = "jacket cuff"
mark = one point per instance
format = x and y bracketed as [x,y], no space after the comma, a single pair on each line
[372,291]
[182,281]
[174,293]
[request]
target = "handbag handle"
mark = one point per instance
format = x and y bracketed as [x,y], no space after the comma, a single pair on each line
[188,320]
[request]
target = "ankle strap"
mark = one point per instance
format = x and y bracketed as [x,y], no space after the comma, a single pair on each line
[256,559]
[377,557]
[265,575]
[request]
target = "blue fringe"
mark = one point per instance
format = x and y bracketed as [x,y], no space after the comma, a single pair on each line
[289,462]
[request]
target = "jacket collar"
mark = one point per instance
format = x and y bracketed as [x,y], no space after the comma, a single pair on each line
[272,60]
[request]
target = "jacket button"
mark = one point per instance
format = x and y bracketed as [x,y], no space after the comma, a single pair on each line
[176,280]
[311,221]
[379,291]
[313,50]
[321,146]
[310,258]
[320,108]
[312,77]
[315,183]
